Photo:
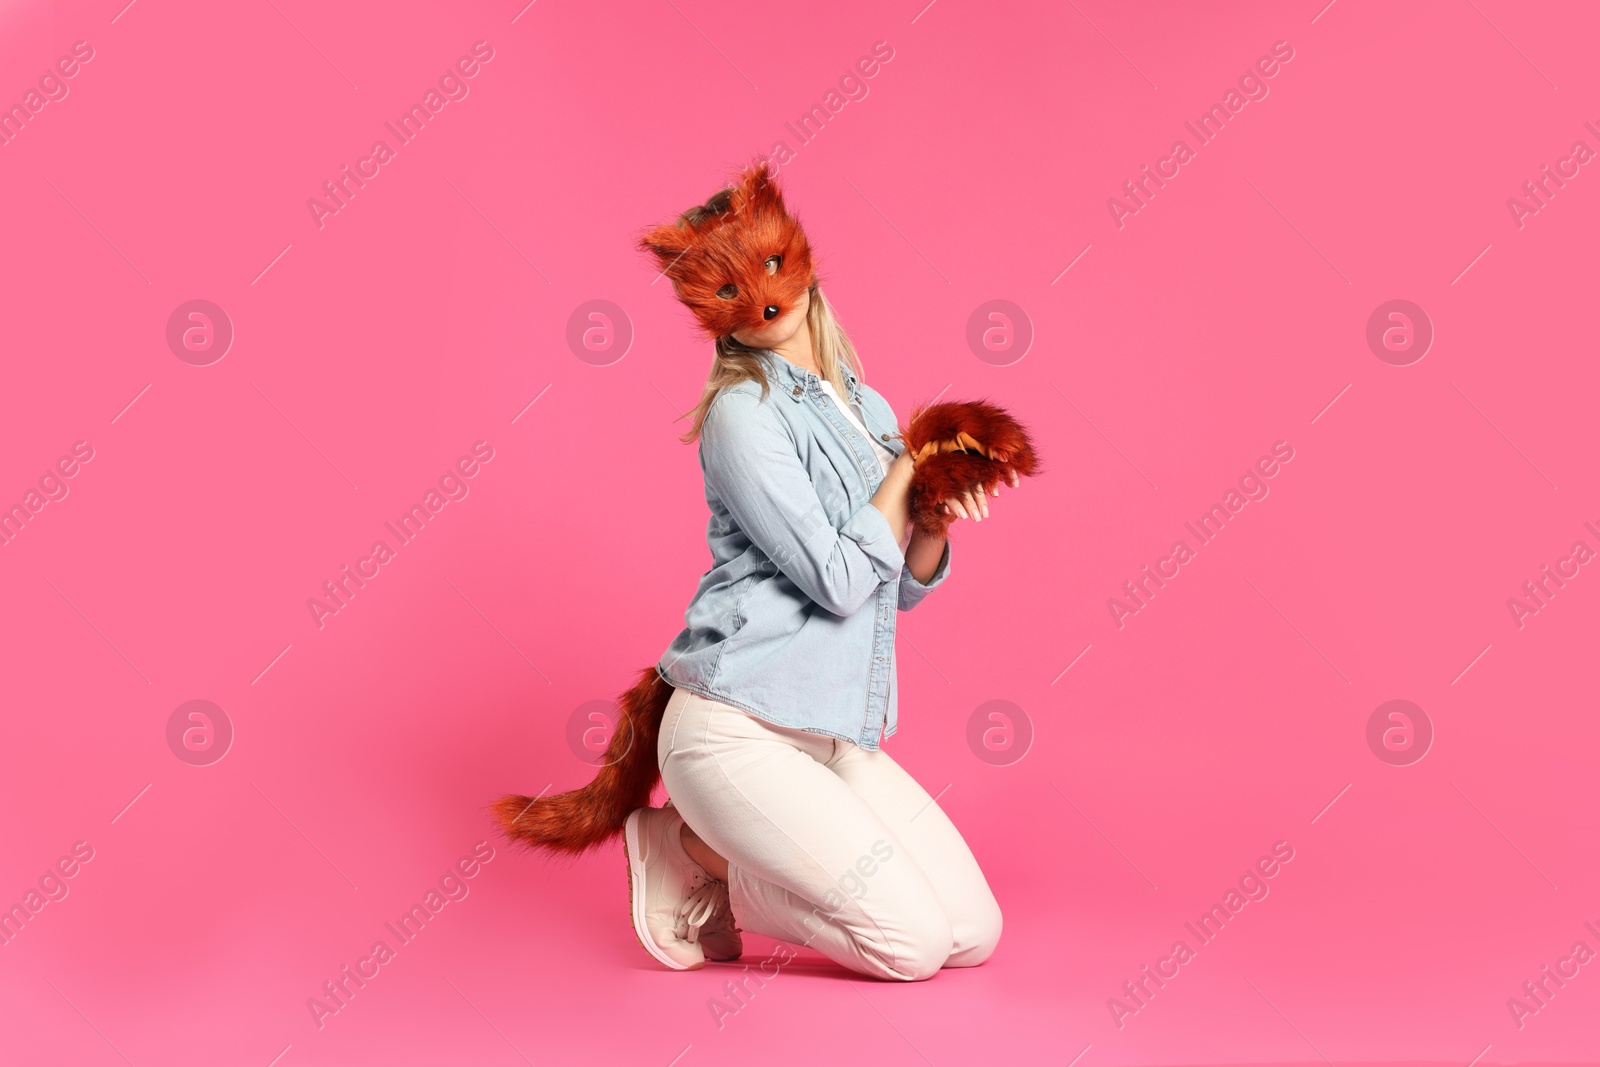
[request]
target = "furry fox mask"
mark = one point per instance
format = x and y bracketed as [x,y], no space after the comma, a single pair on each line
[739,260]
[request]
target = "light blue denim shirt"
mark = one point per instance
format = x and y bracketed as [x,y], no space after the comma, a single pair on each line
[794,622]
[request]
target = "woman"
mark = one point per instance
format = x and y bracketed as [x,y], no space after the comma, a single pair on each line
[786,818]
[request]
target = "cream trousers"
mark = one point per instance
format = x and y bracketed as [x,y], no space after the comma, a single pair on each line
[828,845]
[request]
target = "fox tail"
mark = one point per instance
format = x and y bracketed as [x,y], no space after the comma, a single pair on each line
[577,821]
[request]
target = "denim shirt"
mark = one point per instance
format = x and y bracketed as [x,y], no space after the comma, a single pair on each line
[794,622]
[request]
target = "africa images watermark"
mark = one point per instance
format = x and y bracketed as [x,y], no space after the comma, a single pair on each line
[1538,992]
[452,87]
[1252,87]
[1252,886]
[53,88]
[52,487]
[1541,190]
[854,884]
[1538,592]
[1252,486]
[452,486]
[337,993]
[52,887]
[852,88]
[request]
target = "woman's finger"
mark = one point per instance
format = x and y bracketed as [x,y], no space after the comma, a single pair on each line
[956,506]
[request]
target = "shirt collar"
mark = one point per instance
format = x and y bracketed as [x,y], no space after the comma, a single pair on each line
[789,375]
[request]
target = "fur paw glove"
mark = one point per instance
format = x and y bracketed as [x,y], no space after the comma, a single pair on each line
[959,448]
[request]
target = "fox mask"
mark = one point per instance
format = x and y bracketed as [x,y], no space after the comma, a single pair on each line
[739,260]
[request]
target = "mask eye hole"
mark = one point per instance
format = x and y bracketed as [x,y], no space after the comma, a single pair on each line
[728,292]
[773,263]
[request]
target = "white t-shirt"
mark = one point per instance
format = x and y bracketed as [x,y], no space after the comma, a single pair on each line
[885,456]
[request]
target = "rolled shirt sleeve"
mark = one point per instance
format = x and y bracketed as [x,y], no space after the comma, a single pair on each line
[752,465]
[912,591]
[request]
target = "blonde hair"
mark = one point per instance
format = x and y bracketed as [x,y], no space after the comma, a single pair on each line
[735,362]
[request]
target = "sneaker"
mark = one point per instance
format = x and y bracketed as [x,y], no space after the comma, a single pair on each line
[719,937]
[672,897]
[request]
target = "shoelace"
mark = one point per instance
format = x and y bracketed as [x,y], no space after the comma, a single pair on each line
[701,906]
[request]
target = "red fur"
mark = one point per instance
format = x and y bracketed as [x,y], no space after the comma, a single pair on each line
[727,241]
[941,475]
[584,818]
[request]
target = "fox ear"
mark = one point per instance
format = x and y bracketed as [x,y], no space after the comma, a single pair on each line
[756,187]
[666,243]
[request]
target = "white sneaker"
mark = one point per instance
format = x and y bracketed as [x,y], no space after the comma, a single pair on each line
[672,897]
[719,937]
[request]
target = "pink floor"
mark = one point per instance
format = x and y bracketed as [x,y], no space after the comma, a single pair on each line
[189,484]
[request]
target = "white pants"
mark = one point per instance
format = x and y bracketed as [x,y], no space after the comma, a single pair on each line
[828,845]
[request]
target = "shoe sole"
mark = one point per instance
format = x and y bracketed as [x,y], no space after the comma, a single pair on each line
[636,876]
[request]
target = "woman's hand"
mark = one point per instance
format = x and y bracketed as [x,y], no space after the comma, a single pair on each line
[973,504]
[924,551]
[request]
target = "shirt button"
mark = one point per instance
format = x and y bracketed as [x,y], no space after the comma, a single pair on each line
[883,436]
[798,390]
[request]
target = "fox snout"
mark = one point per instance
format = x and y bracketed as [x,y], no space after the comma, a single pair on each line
[770,312]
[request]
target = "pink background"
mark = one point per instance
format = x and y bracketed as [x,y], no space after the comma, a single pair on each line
[431,310]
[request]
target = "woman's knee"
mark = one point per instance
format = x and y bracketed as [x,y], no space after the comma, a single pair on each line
[920,947]
[977,934]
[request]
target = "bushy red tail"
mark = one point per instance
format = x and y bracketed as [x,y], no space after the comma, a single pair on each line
[584,818]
